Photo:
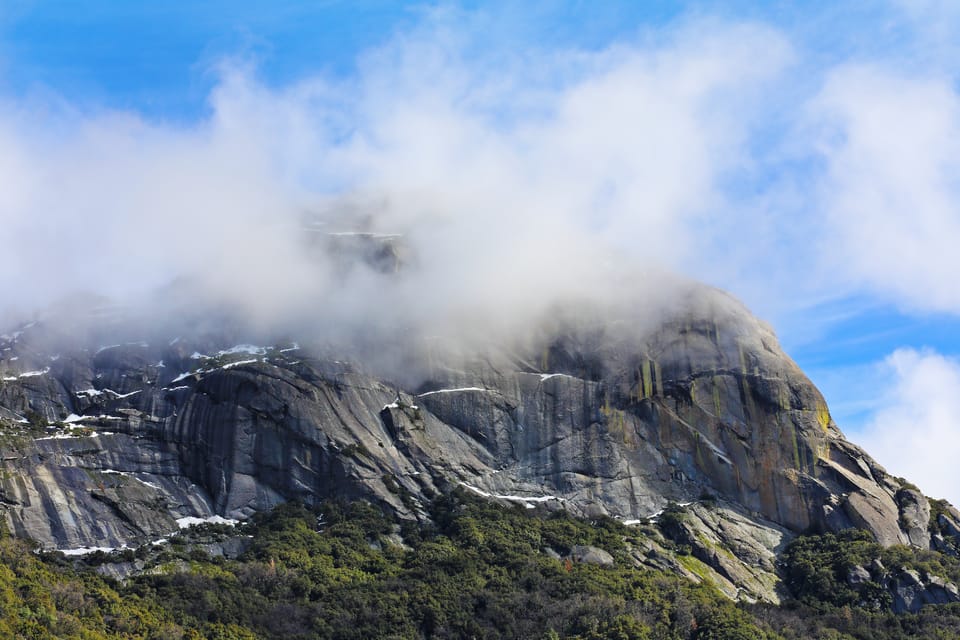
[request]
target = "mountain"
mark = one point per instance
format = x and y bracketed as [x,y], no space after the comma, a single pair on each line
[116,438]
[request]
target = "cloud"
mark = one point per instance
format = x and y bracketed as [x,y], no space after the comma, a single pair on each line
[524,177]
[913,431]
[517,183]
[891,187]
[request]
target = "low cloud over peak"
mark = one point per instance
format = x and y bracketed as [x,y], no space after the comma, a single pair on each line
[513,191]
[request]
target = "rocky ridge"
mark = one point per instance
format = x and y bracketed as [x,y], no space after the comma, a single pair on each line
[107,445]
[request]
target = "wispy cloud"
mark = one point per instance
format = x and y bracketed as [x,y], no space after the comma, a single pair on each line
[914,430]
[519,182]
[890,193]
[731,151]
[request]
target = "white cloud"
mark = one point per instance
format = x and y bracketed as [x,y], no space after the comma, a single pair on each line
[518,187]
[891,193]
[914,430]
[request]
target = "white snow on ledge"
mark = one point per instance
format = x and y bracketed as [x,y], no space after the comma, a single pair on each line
[68,436]
[248,349]
[128,474]
[90,393]
[190,521]
[238,363]
[83,551]
[396,405]
[527,501]
[141,344]
[654,515]
[458,390]
[184,376]
[27,374]
[548,376]
[200,372]
[74,419]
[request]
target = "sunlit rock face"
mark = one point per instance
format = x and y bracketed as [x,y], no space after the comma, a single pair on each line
[110,442]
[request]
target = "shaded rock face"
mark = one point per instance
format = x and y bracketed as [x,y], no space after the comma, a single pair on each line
[914,516]
[737,552]
[911,591]
[587,416]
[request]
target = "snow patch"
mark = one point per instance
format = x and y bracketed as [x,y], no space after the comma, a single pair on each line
[457,390]
[527,501]
[123,395]
[90,393]
[68,436]
[83,551]
[547,376]
[190,521]
[248,349]
[127,474]
[237,364]
[27,374]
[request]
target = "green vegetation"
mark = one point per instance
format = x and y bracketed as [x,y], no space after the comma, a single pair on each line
[481,570]
[478,569]
[829,605]
[816,569]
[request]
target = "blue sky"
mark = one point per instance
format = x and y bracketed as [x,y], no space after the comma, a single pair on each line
[799,154]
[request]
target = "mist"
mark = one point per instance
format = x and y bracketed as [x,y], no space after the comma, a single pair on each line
[509,186]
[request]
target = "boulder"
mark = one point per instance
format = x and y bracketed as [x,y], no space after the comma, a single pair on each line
[587,554]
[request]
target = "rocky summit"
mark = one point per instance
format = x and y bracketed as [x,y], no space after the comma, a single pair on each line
[112,444]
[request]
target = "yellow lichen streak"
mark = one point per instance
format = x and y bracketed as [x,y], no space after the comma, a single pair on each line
[545,359]
[659,378]
[796,444]
[617,423]
[783,396]
[823,415]
[646,379]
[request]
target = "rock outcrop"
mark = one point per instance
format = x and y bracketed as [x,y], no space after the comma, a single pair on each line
[111,444]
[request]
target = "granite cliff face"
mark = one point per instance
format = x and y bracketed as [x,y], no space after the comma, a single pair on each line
[111,444]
